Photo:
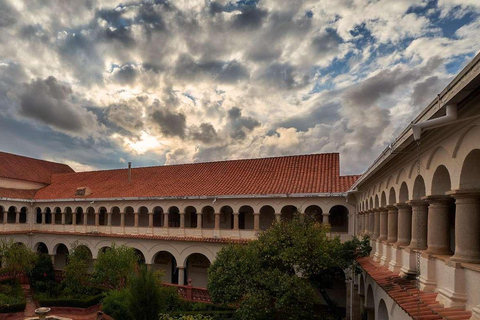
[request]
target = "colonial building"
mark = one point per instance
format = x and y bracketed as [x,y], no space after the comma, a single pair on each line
[420,203]
[176,217]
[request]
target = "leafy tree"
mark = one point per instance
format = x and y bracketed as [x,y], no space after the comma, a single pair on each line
[18,258]
[42,275]
[114,265]
[145,295]
[278,275]
[76,272]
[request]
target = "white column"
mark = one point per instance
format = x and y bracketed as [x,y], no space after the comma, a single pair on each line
[235,220]
[278,216]
[467,226]
[419,224]
[256,221]
[383,224]
[150,219]
[135,219]
[438,234]
[165,219]
[326,216]
[404,235]
[199,220]
[392,224]
[182,219]
[63,217]
[217,220]
[181,275]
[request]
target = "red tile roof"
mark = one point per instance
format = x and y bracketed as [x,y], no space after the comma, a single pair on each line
[28,169]
[406,295]
[316,173]
[17,193]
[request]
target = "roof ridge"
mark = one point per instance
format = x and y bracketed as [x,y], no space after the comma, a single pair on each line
[196,163]
[36,159]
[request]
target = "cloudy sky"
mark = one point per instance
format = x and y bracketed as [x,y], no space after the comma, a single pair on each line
[97,83]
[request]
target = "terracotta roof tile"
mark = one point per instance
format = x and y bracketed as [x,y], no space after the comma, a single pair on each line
[316,173]
[406,295]
[28,169]
[17,194]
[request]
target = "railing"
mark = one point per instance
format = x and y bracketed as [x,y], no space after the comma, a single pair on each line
[191,293]
[9,276]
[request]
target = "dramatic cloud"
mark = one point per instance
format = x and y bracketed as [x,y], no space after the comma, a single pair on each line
[49,102]
[179,81]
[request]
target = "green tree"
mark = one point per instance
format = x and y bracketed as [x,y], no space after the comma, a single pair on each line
[42,275]
[18,258]
[278,275]
[145,295]
[77,269]
[114,265]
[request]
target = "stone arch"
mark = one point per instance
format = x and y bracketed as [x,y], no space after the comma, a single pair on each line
[196,269]
[403,195]
[267,217]
[226,217]
[441,182]
[143,219]
[91,216]
[315,212]
[158,216]
[139,247]
[472,133]
[57,215]
[392,197]
[165,260]
[38,215]
[68,215]
[129,216]
[141,260]
[48,215]
[245,218]
[470,173]
[41,247]
[61,256]
[383,201]
[382,310]
[116,216]
[438,156]
[390,182]
[190,217]
[370,302]
[361,285]
[288,212]
[338,218]
[173,217]
[79,216]
[208,217]
[195,249]
[102,216]
[418,190]
[402,175]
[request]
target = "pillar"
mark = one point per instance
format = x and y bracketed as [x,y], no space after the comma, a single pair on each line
[278,216]
[109,219]
[371,223]
[256,221]
[74,218]
[165,219]
[392,224]
[150,219]
[438,228]
[217,220]
[122,219]
[182,219]
[467,226]
[325,215]
[383,224]
[85,216]
[181,275]
[97,219]
[199,220]
[63,217]
[419,224]
[376,232]
[404,233]
[135,219]
[44,215]
[365,216]
[17,217]
[235,220]
[5,216]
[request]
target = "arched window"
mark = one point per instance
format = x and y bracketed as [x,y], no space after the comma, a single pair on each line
[339,219]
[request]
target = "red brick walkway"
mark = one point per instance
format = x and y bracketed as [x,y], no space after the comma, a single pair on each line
[406,295]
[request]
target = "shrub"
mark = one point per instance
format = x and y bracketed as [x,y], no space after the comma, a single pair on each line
[117,305]
[12,298]
[42,275]
[145,295]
